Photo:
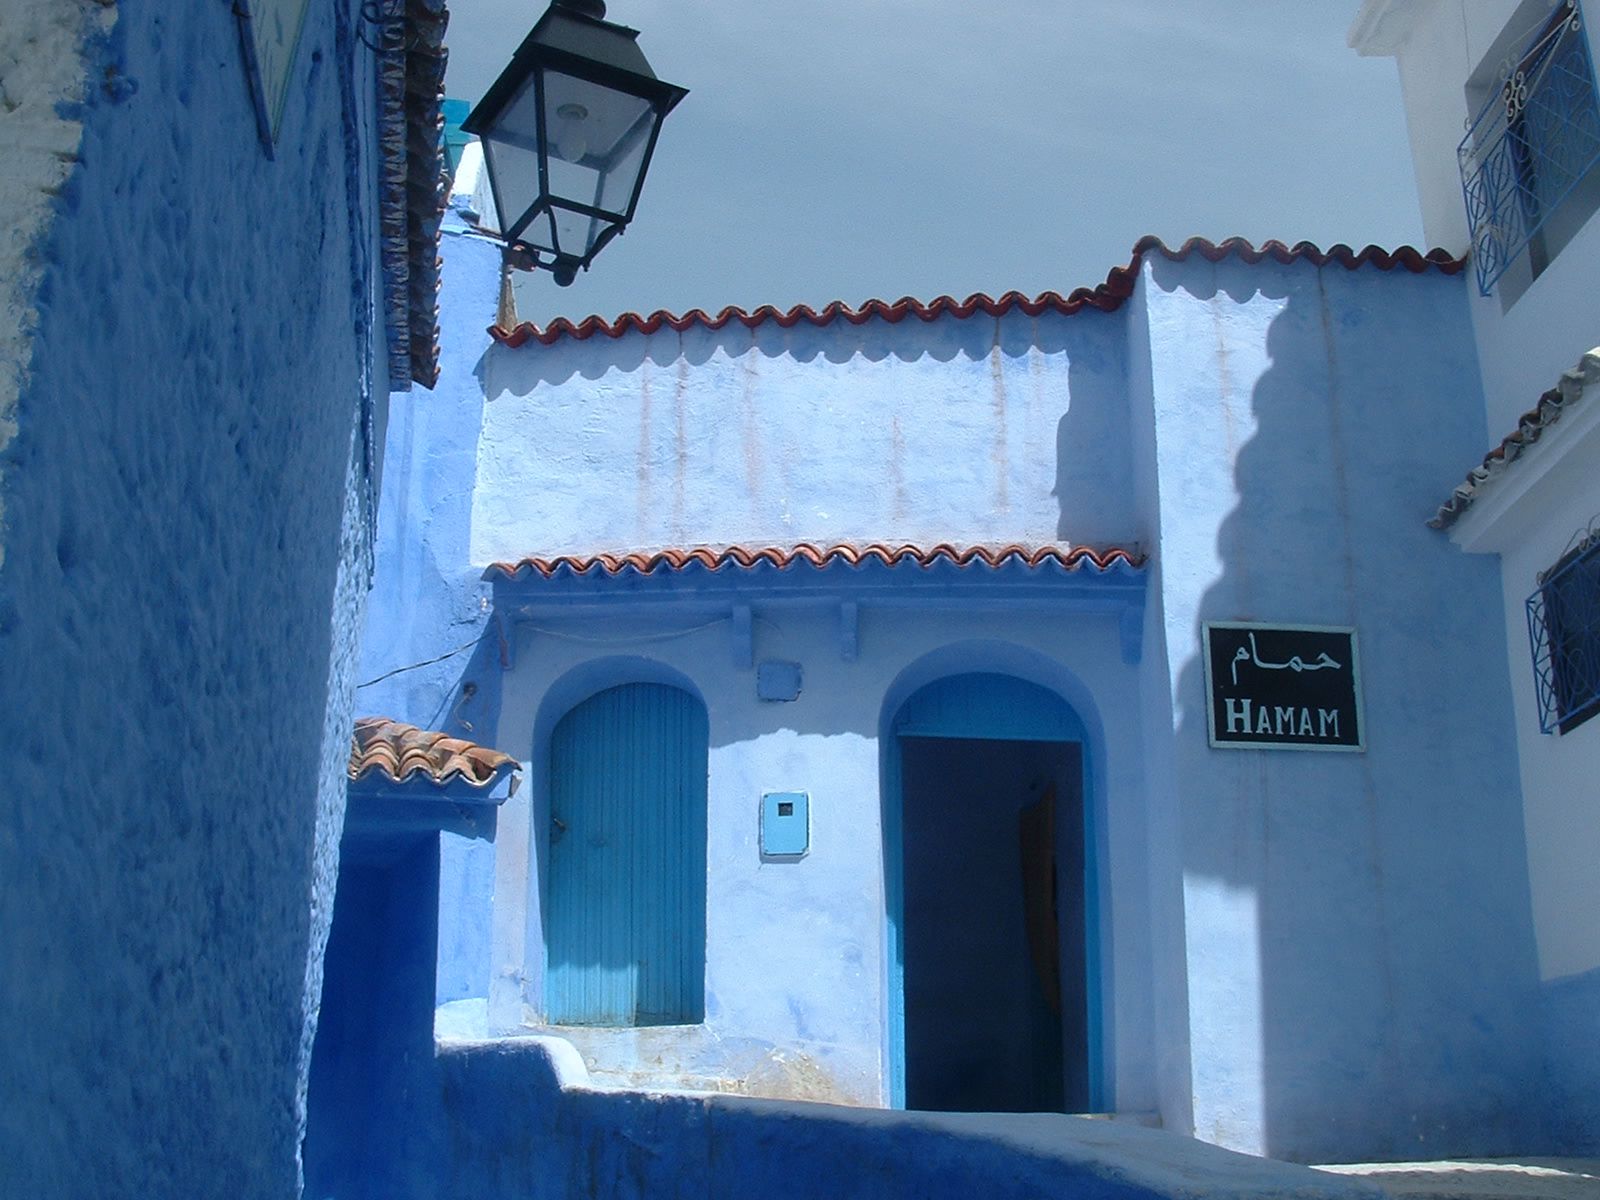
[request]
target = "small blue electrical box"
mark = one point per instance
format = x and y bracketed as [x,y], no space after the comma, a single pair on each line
[777,680]
[785,824]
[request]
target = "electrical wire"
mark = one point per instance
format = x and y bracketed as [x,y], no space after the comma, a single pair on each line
[627,639]
[428,662]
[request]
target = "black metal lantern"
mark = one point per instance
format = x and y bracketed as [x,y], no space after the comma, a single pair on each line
[568,130]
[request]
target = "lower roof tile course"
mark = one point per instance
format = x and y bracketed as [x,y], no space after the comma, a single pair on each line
[808,554]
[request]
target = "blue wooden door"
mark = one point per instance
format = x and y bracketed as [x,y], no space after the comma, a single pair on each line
[626,911]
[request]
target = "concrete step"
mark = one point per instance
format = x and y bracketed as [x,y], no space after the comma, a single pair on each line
[1482,1178]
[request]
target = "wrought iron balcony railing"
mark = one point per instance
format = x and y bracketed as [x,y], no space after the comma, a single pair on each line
[1564,628]
[1532,143]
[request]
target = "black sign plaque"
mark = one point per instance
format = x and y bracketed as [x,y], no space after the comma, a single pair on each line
[1283,687]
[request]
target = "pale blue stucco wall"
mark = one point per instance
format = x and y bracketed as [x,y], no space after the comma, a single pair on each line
[952,430]
[1305,955]
[428,598]
[983,430]
[186,556]
[1359,950]
[796,991]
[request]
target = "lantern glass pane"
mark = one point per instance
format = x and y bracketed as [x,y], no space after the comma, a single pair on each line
[617,187]
[577,232]
[594,135]
[540,233]
[512,150]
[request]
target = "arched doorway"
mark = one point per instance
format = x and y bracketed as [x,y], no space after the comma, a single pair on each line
[626,909]
[990,880]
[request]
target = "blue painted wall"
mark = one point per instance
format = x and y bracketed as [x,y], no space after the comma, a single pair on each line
[428,599]
[985,429]
[1304,955]
[373,1102]
[1358,946]
[186,556]
[522,1124]
[978,430]
[1570,1012]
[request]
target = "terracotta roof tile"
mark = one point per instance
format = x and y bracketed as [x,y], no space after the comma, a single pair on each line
[1531,426]
[413,182]
[1105,297]
[396,752]
[807,554]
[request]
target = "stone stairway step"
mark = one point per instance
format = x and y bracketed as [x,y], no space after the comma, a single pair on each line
[1482,1179]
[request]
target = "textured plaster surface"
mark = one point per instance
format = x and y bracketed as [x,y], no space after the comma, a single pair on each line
[1554,495]
[1310,955]
[1552,492]
[978,430]
[1531,523]
[179,603]
[428,599]
[522,1121]
[1360,953]
[1523,346]
[983,430]
[45,60]
[795,952]
[1484,1179]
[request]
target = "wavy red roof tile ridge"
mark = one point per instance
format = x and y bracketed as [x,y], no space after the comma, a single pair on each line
[1531,426]
[648,562]
[1105,297]
[396,751]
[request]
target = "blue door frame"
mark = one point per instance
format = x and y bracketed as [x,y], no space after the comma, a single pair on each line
[989,707]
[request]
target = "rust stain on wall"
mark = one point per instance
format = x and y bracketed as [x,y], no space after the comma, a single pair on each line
[1000,454]
[642,491]
[680,441]
[897,466]
[750,430]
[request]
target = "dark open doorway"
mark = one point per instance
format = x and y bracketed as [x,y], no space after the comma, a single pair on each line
[994,949]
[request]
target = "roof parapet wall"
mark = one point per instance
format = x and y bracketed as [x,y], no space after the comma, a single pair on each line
[1103,297]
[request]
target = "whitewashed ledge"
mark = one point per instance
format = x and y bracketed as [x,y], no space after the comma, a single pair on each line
[522,1118]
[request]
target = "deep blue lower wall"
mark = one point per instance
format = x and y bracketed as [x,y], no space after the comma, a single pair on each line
[1571,1012]
[181,593]
[373,1097]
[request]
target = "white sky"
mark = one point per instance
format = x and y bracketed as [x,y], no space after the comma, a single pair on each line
[845,149]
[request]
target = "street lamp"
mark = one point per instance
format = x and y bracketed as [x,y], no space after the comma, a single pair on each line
[568,130]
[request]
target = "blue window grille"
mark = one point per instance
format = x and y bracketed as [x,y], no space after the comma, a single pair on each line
[1564,628]
[1531,144]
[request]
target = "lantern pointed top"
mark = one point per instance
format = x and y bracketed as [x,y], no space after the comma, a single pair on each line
[588,8]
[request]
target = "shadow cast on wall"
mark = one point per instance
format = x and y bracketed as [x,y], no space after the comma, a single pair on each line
[1383,895]
[519,371]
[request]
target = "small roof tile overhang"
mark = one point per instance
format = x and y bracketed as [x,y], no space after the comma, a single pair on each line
[388,754]
[722,583]
[1103,297]
[407,784]
[413,183]
[1531,426]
